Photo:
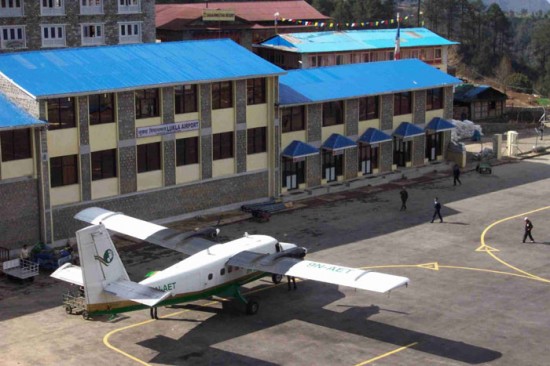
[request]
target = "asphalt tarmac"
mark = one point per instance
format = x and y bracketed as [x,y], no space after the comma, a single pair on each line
[477,296]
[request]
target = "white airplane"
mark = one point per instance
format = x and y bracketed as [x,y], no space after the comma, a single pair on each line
[211,268]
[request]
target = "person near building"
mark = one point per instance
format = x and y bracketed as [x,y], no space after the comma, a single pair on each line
[528,229]
[541,129]
[437,210]
[456,175]
[404,197]
[25,253]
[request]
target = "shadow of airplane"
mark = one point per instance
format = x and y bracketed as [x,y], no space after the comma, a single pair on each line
[306,306]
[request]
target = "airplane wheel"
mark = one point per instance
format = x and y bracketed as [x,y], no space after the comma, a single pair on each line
[68,309]
[276,278]
[252,307]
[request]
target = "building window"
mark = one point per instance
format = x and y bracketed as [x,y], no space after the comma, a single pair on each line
[187,151]
[368,158]
[186,98]
[129,32]
[294,173]
[222,145]
[434,99]
[12,37]
[257,140]
[11,8]
[104,164]
[147,103]
[101,108]
[16,144]
[333,113]
[437,54]
[53,35]
[89,7]
[255,91]
[52,7]
[64,170]
[61,113]
[148,156]
[129,6]
[332,166]
[92,34]
[293,119]
[402,103]
[222,95]
[401,151]
[368,108]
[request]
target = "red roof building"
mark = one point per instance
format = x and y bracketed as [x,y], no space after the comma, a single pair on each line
[253,21]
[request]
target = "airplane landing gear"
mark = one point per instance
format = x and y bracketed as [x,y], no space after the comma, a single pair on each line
[276,278]
[153,312]
[252,306]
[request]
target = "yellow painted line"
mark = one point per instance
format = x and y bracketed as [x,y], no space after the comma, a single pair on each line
[387,354]
[491,251]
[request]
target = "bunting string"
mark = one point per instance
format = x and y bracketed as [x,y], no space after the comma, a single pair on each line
[335,25]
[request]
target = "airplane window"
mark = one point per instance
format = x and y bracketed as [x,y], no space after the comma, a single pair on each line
[210,276]
[222,271]
[229,269]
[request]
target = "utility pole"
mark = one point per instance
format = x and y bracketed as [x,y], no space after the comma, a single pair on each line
[418,14]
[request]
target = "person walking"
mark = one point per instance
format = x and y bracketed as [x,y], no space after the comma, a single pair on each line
[541,129]
[456,175]
[404,197]
[437,210]
[528,228]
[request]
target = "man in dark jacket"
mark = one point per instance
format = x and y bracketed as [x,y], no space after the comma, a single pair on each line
[528,228]
[404,196]
[456,174]
[437,212]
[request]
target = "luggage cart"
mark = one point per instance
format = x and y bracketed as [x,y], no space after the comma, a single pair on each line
[75,304]
[21,269]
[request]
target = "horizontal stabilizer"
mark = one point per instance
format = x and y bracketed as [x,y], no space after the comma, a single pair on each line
[322,272]
[134,291]
[69,273]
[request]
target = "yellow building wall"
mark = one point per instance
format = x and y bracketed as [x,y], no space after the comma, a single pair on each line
[149,180]
[65,195]
[256,162]
[433,114]
[146,122]
[103,137]
[288,137]
[329,130]
[256,115]
[104,188]
[223,120]
[63,142]
[223,167]
[149,140]
[187,173]
[364,125]
[186,117]
[397,120]
[17,168]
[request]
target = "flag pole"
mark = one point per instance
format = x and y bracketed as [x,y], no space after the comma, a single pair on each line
[397,51]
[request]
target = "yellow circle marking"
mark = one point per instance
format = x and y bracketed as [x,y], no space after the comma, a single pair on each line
[491,251]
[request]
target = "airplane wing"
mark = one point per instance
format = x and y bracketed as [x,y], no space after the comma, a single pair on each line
[316,271]
[136,292]
[185,242]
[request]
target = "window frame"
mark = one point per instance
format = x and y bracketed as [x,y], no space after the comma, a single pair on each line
[256,91]
[293,118]
[63,121]
[434,101]
[256,140]
[104,164]
[52,7]
[149,157]
[223,145]
[56,40]
[11,35]
[186,102]
[187,151]
[102,115]
[402,103]
[14,147]
[222,95]
[92,40]
[12,11]
[130,32]
[64,171]
[333,113]
[147,98]
[366,104]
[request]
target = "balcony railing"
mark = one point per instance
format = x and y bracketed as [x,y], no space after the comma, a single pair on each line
[130,39]
[93,41]
[11,12]
[125,9]
[91,10]
[54,42]
[56,10]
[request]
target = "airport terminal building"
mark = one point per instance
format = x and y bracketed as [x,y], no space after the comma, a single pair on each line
[161,130]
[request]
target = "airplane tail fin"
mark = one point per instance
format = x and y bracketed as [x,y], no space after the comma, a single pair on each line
[105,279]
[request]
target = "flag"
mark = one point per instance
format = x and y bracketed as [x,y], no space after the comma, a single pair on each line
[397,52]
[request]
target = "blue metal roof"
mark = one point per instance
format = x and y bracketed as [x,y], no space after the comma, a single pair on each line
[355,40]
[89,70]
[356,80]
[12,116]
[407,129]
[374,136]
[299,149]
[439,124]
[338,142]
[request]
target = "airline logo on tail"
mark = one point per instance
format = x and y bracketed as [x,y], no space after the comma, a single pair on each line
[107,257]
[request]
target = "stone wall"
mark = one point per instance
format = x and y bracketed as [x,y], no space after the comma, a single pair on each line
[419,107]
[386,112]
[386,157]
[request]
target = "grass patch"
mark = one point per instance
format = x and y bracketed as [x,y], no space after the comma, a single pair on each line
[544,101]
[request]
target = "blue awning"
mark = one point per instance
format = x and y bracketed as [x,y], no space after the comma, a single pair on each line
[299,149]
[338,142]
[439,124]
[373,136]
[407,130]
